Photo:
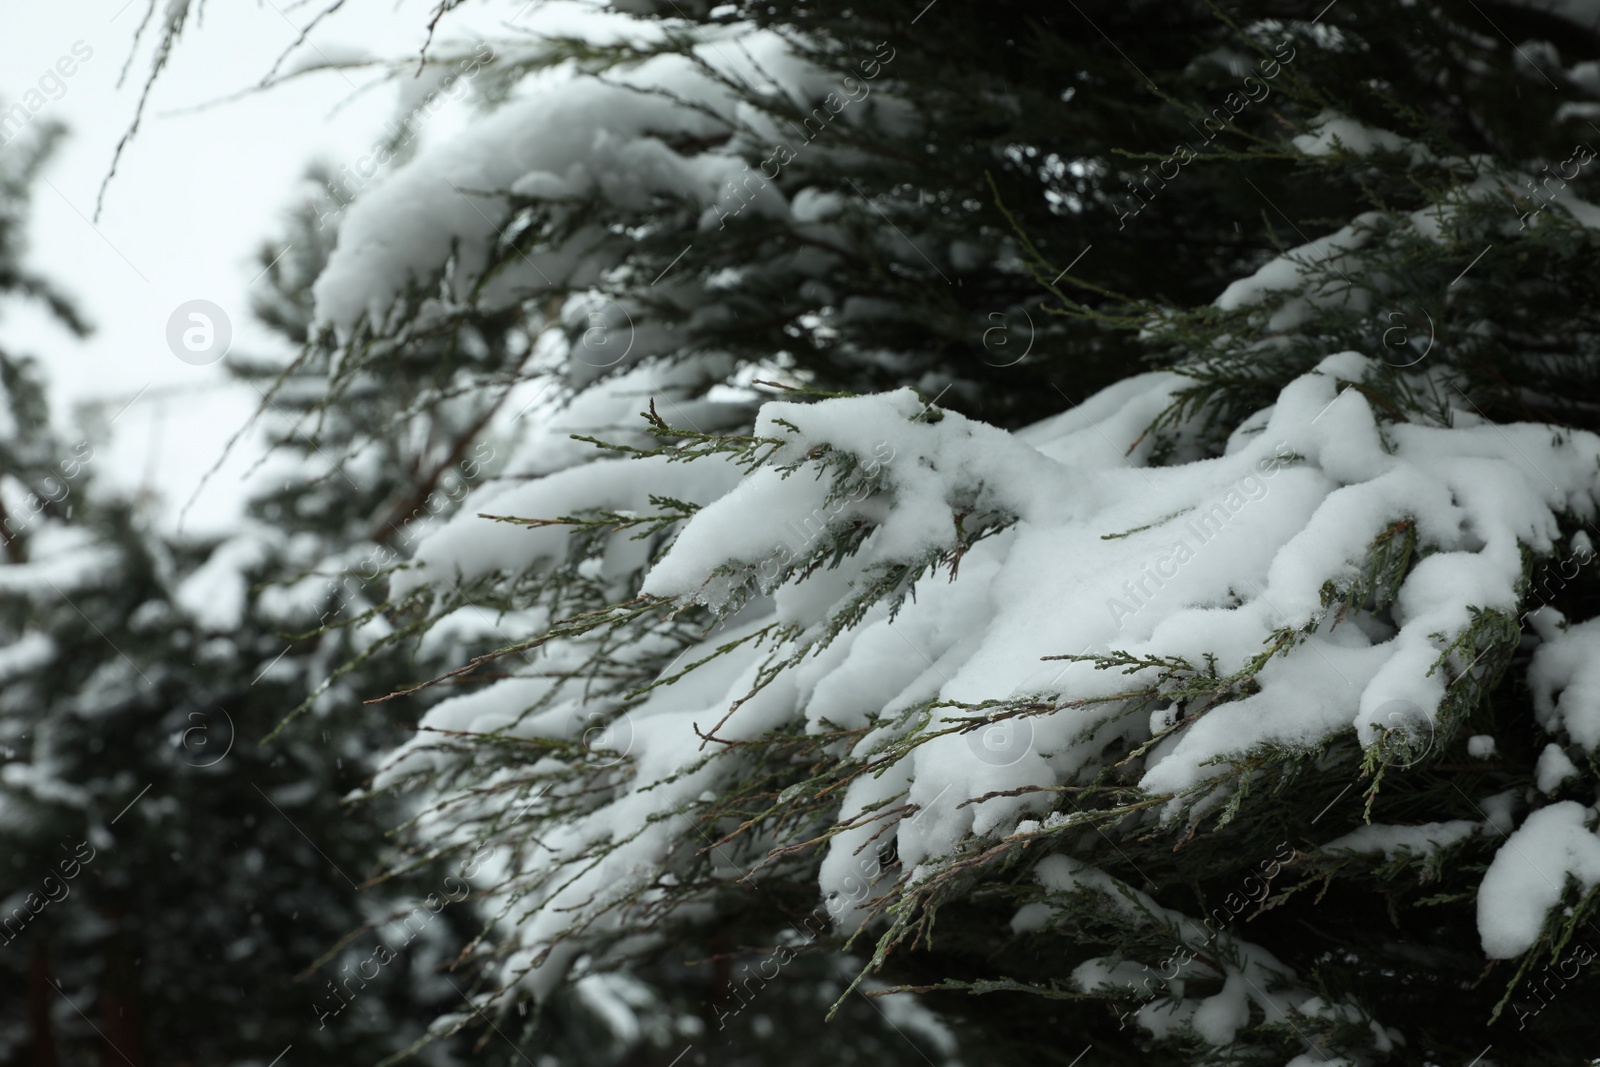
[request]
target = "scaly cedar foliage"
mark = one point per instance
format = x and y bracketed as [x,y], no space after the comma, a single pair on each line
[1087,180]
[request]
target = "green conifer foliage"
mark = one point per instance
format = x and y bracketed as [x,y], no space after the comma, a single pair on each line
[741,651]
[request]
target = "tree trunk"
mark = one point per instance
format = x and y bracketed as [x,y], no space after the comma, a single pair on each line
[41,1042]
[119,1006]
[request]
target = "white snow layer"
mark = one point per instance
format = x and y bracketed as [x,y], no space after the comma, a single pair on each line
[577,144]
[1530,873]
[1393,841]
[1553,768]
[1565,679]
[1251,976]
[1212,557]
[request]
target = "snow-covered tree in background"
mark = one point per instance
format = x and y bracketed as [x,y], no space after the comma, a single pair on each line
[1238,709]
[170,887]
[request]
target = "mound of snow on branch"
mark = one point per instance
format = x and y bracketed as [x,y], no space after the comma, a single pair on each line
[1226,562]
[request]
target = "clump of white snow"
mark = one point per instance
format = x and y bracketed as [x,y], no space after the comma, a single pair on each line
[1555,846]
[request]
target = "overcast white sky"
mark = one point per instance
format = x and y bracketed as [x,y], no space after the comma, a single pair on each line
[195,194]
